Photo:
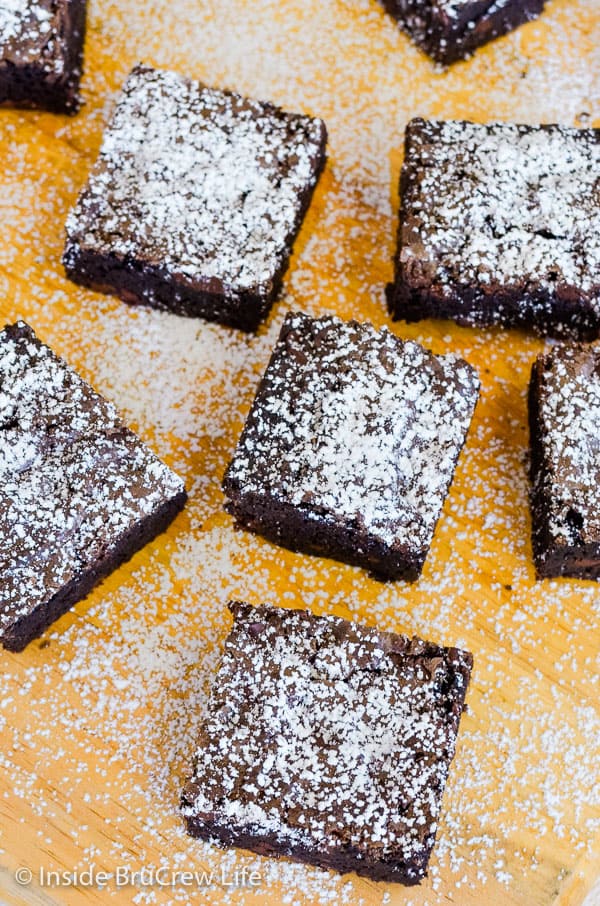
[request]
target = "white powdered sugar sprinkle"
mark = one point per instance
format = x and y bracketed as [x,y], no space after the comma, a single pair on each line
[206,183]
[569,415]
[23,18]
[338,737]
[74,479]
[355,425]
[506,205]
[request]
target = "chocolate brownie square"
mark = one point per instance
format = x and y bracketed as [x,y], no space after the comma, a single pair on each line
[41,52]
[351,444]
[195,200]
[329,742]
[500,225]
[80,492]
[451,30]
[564,417]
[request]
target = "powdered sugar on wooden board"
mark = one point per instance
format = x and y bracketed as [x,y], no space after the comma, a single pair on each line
[110,711]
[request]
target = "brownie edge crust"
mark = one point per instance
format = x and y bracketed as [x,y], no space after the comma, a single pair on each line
[339,741]
[81,493]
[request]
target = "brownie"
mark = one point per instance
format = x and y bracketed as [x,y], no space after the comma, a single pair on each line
[500,225]
[195,200]
[80,492]
[451,30]
[564,415]
[351,443]
[327,741]
[41,53]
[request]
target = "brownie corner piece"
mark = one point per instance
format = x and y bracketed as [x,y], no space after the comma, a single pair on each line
[351,443]
[195,200]
[41,53]
[451,30]
[80,492]
[499,226]
[564,413]
[339,743]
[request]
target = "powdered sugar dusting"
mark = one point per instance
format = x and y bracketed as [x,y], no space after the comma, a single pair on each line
[206,184]
[504,207]
[20,18]
[338,737]
[569,414]
[74,479]
[352,425]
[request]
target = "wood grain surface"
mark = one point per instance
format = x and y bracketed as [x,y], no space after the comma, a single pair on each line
[98,719]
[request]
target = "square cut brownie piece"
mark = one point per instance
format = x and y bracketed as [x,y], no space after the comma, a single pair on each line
[327,741]
[41,52]
[80,492]
[195,200]
[500,224]
[451,30]
[351,444]
[564,417]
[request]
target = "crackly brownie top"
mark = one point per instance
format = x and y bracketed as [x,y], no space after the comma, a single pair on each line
[29,32]
[73,477]
[569,422]
[203,182]
[337,734]
[354,424]
[502,206]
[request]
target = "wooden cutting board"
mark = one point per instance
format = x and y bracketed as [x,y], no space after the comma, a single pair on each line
[98,720]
